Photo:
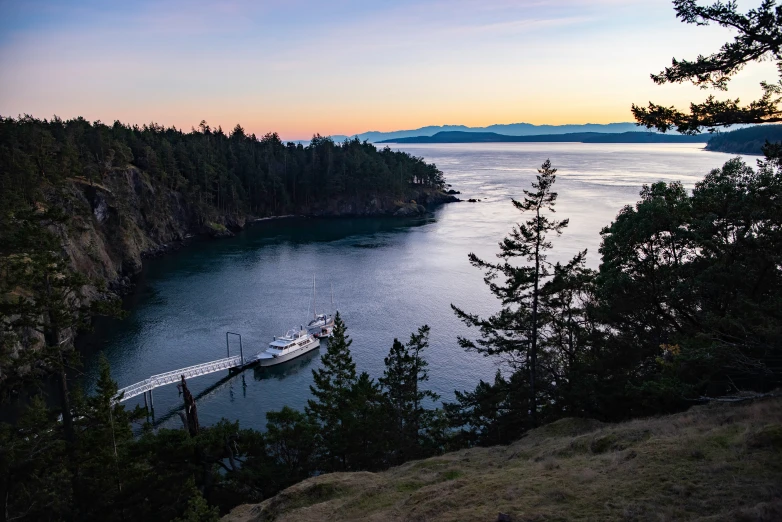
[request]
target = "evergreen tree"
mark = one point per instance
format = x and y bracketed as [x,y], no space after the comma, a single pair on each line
[759,37]
[687,287]
[104,428]
[367,442]
[198,510]
[290,439]
[405,370]
[331,405]
[491,414]
[218,175]
[571,342]
[50,304]
[514,333]
[35,483]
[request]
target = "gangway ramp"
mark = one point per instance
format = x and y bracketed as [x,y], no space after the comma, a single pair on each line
[175,376]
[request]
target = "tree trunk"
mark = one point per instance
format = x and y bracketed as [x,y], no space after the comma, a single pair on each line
[534,347]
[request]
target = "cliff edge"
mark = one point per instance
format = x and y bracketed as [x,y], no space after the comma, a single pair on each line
[127,216]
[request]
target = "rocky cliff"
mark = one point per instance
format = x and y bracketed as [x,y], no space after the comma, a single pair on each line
[126,217]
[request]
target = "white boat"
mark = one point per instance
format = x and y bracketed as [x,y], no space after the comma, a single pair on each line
[294,343]
[321,325]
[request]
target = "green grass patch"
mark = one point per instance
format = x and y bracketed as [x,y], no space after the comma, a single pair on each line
[452,474]
[217,227]
[409,487]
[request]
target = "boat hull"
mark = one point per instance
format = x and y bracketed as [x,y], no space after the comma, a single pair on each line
[265,359]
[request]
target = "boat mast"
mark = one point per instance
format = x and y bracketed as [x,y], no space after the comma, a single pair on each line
[314,303]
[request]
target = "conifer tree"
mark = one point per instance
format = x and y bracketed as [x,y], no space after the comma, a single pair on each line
[514,332]
[48,296]
[198,510]
[105,432]
[51,301]
[396,387]
[331,389]
[491,414]
[405,371]
[35,483]
[758,38]
[367,442]
[290,442]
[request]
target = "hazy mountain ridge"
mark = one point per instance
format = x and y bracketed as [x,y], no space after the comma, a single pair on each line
[509,129]
[574,137]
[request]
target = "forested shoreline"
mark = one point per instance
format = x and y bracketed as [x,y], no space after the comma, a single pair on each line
[229,173]
[684,308]
[745,141]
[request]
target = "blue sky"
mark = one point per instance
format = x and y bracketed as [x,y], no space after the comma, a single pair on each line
[343,67]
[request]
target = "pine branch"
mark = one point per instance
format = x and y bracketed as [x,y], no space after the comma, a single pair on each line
[759,38]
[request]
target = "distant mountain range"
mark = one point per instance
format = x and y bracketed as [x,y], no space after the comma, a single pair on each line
[582,137]
[510,129]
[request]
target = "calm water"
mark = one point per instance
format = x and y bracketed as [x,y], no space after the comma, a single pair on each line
[389,276]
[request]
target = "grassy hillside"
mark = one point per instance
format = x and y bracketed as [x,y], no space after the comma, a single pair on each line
[713,462]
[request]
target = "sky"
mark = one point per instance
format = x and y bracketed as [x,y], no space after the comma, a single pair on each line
[344,67]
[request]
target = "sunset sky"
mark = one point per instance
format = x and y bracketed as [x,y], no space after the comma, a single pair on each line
[344,67]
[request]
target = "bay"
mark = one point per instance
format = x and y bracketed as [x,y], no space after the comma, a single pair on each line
[389,276]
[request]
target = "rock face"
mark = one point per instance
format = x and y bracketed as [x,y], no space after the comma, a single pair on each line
[127,217]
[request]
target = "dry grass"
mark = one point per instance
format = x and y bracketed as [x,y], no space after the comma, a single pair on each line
[711,463]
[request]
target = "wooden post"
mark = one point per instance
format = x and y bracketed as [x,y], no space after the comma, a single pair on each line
[190,409]
[146,407]
[151,400]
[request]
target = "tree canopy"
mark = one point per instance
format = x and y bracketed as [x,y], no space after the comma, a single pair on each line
[758,38]
[232,173]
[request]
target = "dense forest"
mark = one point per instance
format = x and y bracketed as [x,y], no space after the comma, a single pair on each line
[232,173]
[746,141]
